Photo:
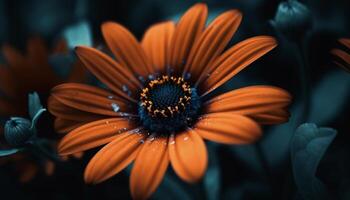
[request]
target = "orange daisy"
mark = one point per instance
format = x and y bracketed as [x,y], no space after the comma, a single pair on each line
[158,110]
[343,56]
[21,75]
[31,72]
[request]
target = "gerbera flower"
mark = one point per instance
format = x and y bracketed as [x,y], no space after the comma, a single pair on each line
[158,111]
[343,56]
[21,75]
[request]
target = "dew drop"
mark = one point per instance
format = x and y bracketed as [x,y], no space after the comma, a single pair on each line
[142,141]
[115,107]
[152,138]
[151,77]
[126,90]
[137,130]
[172,138]
[110,97]
[186,138]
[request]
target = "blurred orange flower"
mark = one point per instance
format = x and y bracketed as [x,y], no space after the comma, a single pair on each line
[21,75]
[343,56]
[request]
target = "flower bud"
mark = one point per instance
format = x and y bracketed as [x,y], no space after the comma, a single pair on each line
[18,131]
[293,19]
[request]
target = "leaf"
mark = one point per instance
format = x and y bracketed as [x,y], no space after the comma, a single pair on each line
[8,152]
[78,34]
[327,100]
[308,146]
[34,104]
[36,117]
[212,179]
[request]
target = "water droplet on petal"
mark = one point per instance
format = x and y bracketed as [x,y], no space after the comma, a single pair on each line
[150,77]
[142,141]
[115,107]
[126,90]
[186,138]
[172,142]
[110,97]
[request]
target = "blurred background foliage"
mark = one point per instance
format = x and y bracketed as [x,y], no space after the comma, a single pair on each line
[311,163]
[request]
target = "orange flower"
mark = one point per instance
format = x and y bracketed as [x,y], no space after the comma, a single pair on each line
[30,72]
[343,57]
[158,110]
[24,74]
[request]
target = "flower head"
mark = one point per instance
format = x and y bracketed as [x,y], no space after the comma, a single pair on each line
[158,110]
[343,57]
[293,19]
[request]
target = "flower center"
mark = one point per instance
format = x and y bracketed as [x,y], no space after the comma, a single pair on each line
[168,104]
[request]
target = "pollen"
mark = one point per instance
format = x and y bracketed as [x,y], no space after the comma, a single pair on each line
[166,96]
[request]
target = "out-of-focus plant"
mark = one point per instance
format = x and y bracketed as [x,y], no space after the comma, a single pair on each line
[308,146]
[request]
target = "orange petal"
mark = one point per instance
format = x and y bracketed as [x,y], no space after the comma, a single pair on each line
[156,43]
[126,48]
[60,47]
[93,134]
[78,74]
[188,155]
[27,171]
[344,56]
[252,101]
[187,30]
[108,71]
[65,125]
[90,99]
[37,52]
[63,111]
[7,83]
[13,57]
[345,41]
[236,59]
[149,168]
[113,158]
[276,116]
[212,42]
[228,128]
[49,167]
[7,108]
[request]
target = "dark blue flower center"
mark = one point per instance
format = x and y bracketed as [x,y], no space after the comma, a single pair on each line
[168,105]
